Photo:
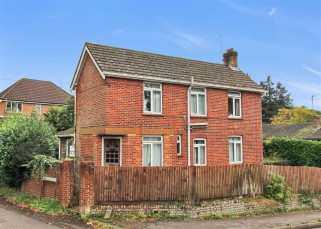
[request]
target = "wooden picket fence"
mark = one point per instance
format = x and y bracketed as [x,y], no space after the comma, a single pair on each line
[133,184]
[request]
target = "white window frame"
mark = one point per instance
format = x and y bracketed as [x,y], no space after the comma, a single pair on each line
[151,143]
[179,143]
[152,97]
[11,106]
[38,105]
[69,153]
[234,142]
[197,93]
[199,145]
[103,150]
[235,96]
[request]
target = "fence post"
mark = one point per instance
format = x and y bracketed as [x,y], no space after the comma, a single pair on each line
[192,184]
[64,185]
[87,186]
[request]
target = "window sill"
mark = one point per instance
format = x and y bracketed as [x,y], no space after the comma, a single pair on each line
[237,118]
[236,163]
[200,165]
[199,116]
[153,114]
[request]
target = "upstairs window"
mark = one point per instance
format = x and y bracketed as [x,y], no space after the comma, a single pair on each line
[152,150]
[14,106]
[235,149]
[234,104]
[198,97]
[153,98]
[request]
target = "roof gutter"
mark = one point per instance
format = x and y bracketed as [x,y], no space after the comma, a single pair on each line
[183,82]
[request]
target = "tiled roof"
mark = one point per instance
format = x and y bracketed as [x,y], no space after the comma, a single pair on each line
[67,132]
[37,91]
[161,67]
[305,131]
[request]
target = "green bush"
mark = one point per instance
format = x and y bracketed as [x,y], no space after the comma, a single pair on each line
[299,152]
[21,138]
[277,190]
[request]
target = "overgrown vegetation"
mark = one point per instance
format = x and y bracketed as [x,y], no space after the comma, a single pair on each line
[294,115]
[61,118]
[42,205]
[276,97]
[299,152]
[276,189]
[40,163]
[22,137]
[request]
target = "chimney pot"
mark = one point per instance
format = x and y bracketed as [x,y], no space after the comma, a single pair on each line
[230,58]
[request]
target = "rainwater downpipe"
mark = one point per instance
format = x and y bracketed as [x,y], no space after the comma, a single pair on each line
[189,122]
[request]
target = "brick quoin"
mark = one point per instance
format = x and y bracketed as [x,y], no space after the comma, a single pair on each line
[118,103]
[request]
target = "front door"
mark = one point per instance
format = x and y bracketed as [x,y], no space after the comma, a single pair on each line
[112,152]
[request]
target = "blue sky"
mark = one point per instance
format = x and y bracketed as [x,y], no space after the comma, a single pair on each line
[43,39]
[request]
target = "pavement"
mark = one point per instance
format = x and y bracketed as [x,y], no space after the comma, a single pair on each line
[9,219]
[310,219]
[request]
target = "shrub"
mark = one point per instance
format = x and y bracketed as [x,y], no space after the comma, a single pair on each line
[277,190]
[21,138]
[299,152]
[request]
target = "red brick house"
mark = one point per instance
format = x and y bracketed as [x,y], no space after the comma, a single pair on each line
[142,109]
[27,95]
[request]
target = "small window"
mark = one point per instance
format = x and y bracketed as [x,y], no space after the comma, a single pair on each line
[14,106]
[235,149]
[152,151]
[179,145]
[70,149]
[234,104]
[199,152]
[38,108]
[198,98]
[153,98]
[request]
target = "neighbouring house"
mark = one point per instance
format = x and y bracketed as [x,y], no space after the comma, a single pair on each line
[66,143]
[27,95]
[136,108]
[307,131]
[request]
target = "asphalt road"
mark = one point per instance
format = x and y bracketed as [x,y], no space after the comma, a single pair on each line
[15,217]
[12,220]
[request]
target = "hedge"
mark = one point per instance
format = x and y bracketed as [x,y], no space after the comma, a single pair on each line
[299,152]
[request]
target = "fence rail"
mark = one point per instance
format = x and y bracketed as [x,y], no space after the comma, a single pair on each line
[131,184]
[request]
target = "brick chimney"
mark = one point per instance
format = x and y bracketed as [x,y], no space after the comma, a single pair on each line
[230,58]
[316,122]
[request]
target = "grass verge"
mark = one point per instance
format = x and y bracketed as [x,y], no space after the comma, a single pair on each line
[48,206]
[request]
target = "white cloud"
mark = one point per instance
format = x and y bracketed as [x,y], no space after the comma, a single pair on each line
[119,31]
[186,40]
[53,17]
[272,12]
[311,69]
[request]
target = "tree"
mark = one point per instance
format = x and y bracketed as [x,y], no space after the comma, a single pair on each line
[293,115]
[275,98]
[21,138]
[61,118]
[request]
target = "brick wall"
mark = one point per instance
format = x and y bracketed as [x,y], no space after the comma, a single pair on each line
[62,189]
[118,106]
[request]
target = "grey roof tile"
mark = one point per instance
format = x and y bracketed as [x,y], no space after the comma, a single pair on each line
[125,61]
